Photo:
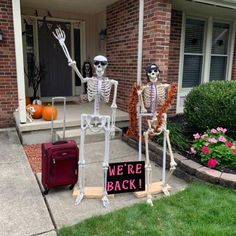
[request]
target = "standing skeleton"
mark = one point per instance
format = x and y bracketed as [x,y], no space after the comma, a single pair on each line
[150,96]
[98,88]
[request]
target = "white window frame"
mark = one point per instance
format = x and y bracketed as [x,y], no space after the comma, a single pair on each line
[182,92]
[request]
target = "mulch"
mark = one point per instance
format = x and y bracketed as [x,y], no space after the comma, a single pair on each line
[34,153]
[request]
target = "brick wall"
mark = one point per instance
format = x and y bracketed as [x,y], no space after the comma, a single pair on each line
[175,43]
[8,83]
[122,40]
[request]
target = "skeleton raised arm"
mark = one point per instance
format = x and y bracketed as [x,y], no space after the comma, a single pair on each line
[59,34]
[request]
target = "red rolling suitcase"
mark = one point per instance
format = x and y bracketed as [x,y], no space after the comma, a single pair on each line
[59,160]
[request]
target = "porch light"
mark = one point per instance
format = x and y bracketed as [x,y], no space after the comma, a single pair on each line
[1,35]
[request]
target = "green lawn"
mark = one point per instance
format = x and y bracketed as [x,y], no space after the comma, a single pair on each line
[199,210]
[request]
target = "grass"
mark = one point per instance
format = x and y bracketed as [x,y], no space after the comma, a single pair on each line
[201,209]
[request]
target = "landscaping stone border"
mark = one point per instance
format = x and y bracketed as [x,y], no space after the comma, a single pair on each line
[186,168]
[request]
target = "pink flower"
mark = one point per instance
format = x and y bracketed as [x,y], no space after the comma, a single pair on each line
[204,136]
[206,144]
[224,130]
[234,151]
[219,129]
[214,131]
[229,144]
[212,163]
[222,139]
[205,150]
[212,140]
[196,136]
[193,150]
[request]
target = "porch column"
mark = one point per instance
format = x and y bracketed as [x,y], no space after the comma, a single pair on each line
[19,59]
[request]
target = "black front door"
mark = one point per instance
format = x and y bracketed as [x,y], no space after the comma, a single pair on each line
[58,77]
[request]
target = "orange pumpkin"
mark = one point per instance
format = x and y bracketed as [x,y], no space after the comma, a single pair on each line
[38,111]
[48,111]
[27,100]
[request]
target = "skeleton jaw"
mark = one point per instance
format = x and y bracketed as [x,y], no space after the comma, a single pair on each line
[100,72]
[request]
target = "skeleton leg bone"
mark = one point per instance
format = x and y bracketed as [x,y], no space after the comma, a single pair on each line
[148,169]
[105,199]
[173,164]
[81,162]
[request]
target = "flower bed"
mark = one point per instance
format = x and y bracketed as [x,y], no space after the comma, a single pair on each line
[215,149]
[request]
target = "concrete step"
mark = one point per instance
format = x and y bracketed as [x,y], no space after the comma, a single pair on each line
[90,137]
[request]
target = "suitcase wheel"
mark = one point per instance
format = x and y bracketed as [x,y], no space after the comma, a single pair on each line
[45,192]
[71,186]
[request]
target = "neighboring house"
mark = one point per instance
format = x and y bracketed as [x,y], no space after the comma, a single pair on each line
[192,42]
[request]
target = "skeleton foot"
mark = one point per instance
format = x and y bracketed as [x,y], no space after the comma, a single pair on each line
[105,201]
[79,199]
[165,191]
[112,133]
[149,200]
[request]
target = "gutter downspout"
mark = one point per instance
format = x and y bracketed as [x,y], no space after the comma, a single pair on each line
[139,72]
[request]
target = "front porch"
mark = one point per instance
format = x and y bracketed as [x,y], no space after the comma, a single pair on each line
[39,131]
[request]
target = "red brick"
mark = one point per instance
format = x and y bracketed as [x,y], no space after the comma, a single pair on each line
[9,100]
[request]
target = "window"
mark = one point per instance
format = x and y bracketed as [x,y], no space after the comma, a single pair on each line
[206,53]
[219,51]
[193,53]
[195,50]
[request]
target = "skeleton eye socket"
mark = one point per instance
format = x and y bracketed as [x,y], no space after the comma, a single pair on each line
[150,71]
[102,63]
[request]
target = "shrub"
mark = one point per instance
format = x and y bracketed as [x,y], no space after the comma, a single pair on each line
[177,138]
[211,105]
[215,148]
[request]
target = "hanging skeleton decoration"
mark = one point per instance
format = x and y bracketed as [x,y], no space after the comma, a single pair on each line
[149,97]
[98,88]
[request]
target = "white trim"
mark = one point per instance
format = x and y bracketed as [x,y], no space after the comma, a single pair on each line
[232,48]
[16,10]
[72,53]
[181,63]
[222,3]
[207,59]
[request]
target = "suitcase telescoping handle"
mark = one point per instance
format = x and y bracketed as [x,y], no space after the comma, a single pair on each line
[64,115]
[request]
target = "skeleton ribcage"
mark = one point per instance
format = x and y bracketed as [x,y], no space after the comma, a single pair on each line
[154,95]
[99,87]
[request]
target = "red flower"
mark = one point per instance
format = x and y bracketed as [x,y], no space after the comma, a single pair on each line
[205,150]
[229,144]
[212,163]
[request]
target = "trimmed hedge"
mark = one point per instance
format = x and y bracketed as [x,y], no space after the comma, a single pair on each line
[212,105]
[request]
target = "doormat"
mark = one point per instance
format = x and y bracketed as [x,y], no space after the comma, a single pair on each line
[34,153]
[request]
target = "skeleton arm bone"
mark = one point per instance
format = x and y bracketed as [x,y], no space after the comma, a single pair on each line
[59,34]
[140,95]
[114,107]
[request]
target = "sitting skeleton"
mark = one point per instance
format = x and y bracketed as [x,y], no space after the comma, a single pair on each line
[98,88]
[30,112]
[150,96]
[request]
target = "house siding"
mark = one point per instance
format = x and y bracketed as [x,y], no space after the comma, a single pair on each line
[122,42]
[8,81]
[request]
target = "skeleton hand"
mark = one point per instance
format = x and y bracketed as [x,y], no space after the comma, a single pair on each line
[139,91]
[60,35]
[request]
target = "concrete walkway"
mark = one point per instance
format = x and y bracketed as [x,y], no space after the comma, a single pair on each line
[24,211]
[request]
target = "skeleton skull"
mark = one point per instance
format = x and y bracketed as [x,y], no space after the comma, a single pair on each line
[100,64]
[152,72]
